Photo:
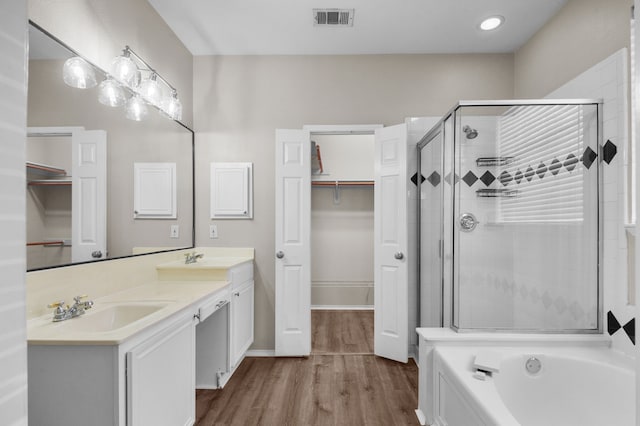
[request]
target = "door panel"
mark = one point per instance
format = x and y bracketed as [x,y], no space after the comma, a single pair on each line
[89,200]
[390,235]
[293,245]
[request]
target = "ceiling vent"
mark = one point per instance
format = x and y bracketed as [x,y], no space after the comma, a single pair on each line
[333,17]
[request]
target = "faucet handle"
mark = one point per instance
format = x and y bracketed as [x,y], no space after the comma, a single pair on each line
[59,304]
[77,299]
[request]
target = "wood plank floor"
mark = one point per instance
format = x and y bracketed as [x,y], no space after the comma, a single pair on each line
[341,332]
[318,390]
[341,383]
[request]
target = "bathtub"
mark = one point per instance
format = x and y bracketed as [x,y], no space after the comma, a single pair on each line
[581,384]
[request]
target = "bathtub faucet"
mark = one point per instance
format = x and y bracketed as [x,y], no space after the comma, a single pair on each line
[192,257]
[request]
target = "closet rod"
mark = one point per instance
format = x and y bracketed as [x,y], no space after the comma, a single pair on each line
[343,183]
[46,243]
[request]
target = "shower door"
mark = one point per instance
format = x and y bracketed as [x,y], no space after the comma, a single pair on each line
[525,217]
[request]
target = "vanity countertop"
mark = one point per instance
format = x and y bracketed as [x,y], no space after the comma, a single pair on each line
[118,316]
[162,299]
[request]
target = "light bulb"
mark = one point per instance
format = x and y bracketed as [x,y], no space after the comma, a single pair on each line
[78,73]
[110,93]
[136,109]
[172,107]
[125,70]
[150,90]
[491,23]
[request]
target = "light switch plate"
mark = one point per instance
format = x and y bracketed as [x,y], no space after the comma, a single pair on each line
[213,231]
[175,231]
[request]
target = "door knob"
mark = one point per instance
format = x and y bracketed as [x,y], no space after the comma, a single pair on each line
[280,254]
[399,255]
[96,254]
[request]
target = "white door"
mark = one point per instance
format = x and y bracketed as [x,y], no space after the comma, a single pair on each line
[89,199]
[293,245]
[390,239]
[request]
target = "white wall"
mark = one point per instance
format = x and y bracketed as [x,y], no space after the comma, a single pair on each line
[13,119]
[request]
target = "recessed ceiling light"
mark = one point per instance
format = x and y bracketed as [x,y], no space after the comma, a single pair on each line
[491,23]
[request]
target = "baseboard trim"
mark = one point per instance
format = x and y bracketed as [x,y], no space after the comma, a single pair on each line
[262,353]
[421,417]
[342,307]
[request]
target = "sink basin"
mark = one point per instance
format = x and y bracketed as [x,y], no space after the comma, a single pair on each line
[110,318]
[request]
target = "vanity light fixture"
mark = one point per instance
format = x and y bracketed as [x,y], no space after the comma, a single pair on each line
[491,23]
[130,77]
[78,73]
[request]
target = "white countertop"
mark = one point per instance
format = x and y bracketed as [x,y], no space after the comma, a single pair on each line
[163,298]
[173,296]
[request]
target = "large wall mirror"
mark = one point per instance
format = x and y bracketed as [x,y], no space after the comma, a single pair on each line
[138,197]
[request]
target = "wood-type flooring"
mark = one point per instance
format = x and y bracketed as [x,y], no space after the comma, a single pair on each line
[341,383]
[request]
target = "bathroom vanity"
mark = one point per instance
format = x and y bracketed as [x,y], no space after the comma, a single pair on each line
[137,357]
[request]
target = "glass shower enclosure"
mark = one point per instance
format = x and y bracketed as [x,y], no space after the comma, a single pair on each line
[509,217]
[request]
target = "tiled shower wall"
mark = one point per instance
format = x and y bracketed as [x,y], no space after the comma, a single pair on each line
[608,81]
[13,120]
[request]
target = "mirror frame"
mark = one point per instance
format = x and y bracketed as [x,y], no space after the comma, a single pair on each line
[193,174]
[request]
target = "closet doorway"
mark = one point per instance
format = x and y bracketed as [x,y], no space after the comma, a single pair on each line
[394,314]
[342,245]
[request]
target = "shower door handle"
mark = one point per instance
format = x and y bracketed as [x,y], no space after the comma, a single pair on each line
[399,255]
[468,222]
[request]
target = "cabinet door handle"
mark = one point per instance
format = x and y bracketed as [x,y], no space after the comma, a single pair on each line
[236,293]
[280,254]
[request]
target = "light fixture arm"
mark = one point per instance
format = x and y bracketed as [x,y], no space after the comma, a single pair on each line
[129,51]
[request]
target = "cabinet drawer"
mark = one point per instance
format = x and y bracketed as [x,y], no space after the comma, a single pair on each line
[241,273]
[213,305]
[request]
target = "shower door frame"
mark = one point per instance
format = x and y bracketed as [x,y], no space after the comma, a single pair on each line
[439,129]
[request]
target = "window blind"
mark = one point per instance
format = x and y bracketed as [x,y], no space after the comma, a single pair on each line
[547,143]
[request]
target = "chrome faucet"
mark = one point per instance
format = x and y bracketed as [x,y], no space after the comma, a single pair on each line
[63,312]
[79,307]
[192,257]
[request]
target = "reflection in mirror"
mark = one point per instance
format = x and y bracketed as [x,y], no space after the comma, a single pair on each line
[80,171]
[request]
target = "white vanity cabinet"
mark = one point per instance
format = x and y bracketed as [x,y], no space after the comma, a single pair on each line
[147,380]
[160,378]
[242,320]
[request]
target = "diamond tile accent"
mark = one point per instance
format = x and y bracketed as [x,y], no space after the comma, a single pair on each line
[470,178]
[505,178]
[434,179]
[571,162]
[630,329]
[487,178]
[612,323]
[560,305]
[547,300]
[533,294]
[542,169]
[529,174]
[414,179]
[523,292]
[609,150]
[555,166]
[588,157]
[518,177]
[448,178]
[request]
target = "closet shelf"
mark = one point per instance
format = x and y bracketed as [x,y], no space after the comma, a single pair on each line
[334,183]
[50,182]
[45,170]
